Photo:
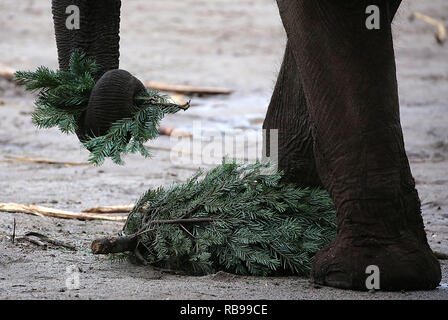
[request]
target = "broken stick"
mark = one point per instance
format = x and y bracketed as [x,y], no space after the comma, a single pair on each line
[156,85]
[441,30]
[174,132]
[178,99]
[110,209]
[44,161]
[56,213]
[6,72]
[14,231]
[51,241]
[33,241]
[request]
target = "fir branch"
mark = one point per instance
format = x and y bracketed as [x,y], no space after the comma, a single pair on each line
[235,219]
[63,98]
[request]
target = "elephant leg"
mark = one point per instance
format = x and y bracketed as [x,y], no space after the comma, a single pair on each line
[288,114]
[393,7]
[97,36]
[348,75]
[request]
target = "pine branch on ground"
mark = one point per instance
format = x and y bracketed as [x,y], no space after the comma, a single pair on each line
[238,218]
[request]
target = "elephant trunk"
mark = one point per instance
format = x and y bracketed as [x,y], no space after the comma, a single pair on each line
[96,34]
[111,99]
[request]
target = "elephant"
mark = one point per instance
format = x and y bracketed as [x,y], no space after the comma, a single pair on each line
[336,108]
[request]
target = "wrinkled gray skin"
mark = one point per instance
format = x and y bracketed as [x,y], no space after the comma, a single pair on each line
[98,35]
[336,107]
[111,99]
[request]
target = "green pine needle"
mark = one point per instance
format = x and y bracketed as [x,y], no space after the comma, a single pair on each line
[257,225]
[62,96]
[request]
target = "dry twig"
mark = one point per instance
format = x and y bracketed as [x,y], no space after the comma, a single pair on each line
[178,98]
[44,161]
[56,213]
[13,231]
[440,35]
[6,72]
[110,209]
[174,132]
[33,241]
[156,85]
[51,241]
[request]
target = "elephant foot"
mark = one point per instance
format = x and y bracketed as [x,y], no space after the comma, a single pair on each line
[401,263]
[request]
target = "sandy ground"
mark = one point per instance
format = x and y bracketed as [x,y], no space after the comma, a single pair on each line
[232,43]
